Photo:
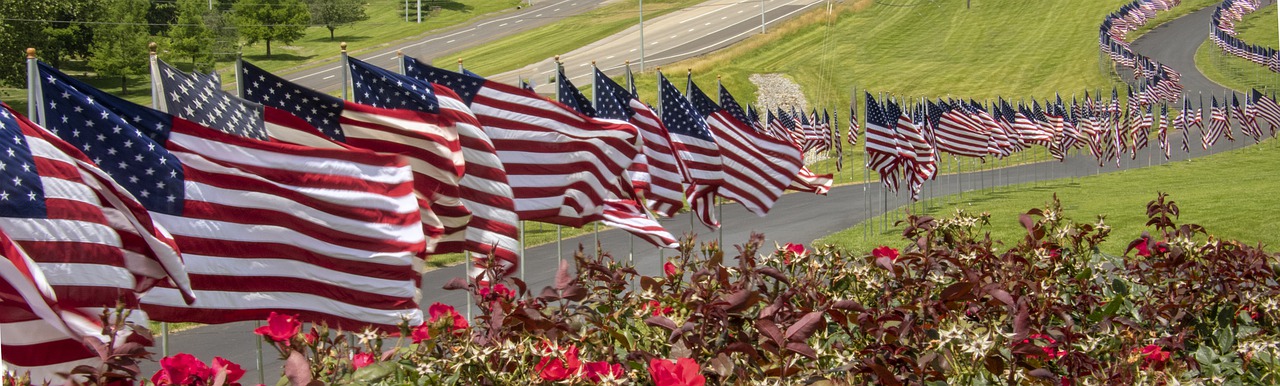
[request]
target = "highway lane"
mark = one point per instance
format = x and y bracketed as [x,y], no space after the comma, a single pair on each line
[676,36]
[797,217]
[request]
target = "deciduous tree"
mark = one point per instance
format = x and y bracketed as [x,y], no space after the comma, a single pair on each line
[271,20]
[120,40]
[336,13]
[191,36]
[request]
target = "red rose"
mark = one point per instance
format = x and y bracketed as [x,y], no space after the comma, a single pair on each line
[439,310]
[361,360]
[181,369]
[1143,250]
[669,269]
[553,368]
[421,333]
[601,371]
[884,251]
[233,371]
[311,337]
[683,372]
[656,309]
[280,327]
[1153,356]
[499,290]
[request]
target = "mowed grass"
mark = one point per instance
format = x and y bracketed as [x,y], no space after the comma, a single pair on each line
[1230,193]
[567,35]
[386,25]
[1237,73]
[1015,49]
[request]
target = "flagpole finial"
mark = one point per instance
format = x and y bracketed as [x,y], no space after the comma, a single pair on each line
[399,52]
[593,63]
[459,61]
[690,71]
[151,47]
[31,52]
[343,45]
[557,59]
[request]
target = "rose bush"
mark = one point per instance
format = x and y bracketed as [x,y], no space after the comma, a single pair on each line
[946,305]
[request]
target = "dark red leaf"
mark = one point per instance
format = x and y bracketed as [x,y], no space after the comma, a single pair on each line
[960,291]
[770,330]
[802,349]
[1043,374]
[848,305]
[457,283]
[562,275]
[661,321]
[1002,295]
[806,326]
[741,299]
[774,273]
[885,376]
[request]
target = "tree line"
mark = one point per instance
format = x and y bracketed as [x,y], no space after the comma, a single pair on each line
[108,34]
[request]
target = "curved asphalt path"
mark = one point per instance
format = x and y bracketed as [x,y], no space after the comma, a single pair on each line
[797,217]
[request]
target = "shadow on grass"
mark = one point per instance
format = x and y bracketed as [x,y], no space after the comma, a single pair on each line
[278,57]
[339,37]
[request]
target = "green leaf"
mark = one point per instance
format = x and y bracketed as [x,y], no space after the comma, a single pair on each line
[373,372]
[1119,287]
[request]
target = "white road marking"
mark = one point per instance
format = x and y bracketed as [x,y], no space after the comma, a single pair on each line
[451,41]
[714,11]
[503,24]
[328,77]
[610,57]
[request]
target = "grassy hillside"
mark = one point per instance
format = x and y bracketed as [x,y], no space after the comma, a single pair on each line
[1216,191]
[1257,28]
[1009,48]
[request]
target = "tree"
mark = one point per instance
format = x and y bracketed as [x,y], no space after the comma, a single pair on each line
[55,41]
[120,40]
[267,20]
[191,35]
[336,13]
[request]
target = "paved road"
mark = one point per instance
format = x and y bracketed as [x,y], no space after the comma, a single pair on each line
[676,36]
[1175,44]
[799,218]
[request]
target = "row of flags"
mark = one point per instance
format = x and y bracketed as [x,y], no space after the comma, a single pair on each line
[1159,81]
[1223,33]
[906,138]
[214,207]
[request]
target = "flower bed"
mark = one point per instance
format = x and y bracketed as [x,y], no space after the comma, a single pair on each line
[954,307]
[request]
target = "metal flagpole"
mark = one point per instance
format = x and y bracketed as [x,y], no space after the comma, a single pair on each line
[594,92]
[155,104]
[466,257]
[33,79]
[239,68]
[641,41]
[559,228]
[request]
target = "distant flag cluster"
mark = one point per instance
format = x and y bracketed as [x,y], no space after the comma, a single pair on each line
[1159,81]
[1223,33]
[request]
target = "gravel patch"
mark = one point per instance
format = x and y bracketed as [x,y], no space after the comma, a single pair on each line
[776,90]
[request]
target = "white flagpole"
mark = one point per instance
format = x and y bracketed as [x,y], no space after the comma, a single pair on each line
[466,257]
[559,228]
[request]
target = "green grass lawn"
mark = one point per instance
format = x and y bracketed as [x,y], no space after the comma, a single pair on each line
[1228,193]
[1234,72]
[569,34]
[936,50]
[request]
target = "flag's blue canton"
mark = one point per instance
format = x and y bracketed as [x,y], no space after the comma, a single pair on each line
[1007,111]
[701,102]
[612,100]
[752,116]
[876,115]
[678,114]
[199,98]
[935,112]
[786,119]
[466,86]
[471,74]
[319,109]
[731,105]
[378,87]
[891,114]
[804,120]
[130,150]
[569,95]
[21,193]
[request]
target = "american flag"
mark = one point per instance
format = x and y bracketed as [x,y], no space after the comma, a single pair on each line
[808,181]
[696,148]
[1183,123]
[958,133]
[327,234]
[1142,129]
[757,167]
[619,212]
[1268,110]
[1217,125]
[1163,130]
[568,94]
[199,98]
[562,165]
[75,238]
[881,142]
[835,131]
[853,121]
[493,229]
[732,107]
[753,118]
[1248,117]
[425,139]
[664,190]
[915,154]
[997,140]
